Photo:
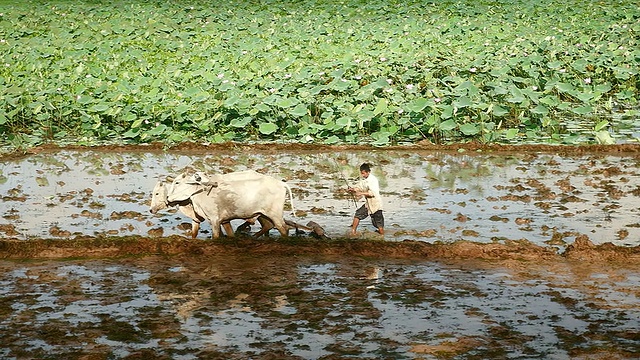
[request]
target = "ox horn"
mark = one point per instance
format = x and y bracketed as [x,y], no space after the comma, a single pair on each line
[212,185]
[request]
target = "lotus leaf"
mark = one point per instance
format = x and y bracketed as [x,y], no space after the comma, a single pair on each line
[603,88]
[565,88]
[516,96]
[99,108]
[582,110]
[462,102]
[469,129]
[418,105]
[601,125]
[448,125]
[42,181]
[447,111]
[267,128]
[604,137]
[84,99]
[286,102]
[381,107]
[262,107]
[299,110]
[540,110]
[343,122]
[511,134]
[158,130]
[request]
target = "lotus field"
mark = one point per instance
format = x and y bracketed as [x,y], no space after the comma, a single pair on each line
[377,72]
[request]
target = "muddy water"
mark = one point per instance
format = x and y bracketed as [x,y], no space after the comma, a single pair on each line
[241,307]
[429,196]
[310,306]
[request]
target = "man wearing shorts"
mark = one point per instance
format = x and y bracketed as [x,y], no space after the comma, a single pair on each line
[369,188]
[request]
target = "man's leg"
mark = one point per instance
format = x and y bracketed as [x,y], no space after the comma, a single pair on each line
[360,214]
[354,225]
[377,219]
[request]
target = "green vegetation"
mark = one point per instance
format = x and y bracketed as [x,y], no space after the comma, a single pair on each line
[349,71]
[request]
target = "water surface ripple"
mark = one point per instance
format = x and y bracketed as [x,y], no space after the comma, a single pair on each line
[429,196]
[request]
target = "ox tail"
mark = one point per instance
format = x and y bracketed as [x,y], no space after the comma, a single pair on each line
[293,209]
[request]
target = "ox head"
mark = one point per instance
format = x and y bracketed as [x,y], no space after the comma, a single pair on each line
[201,178]
[184,186]
[159,198]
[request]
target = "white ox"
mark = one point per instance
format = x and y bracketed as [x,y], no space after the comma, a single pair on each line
[159,202]
[241,195]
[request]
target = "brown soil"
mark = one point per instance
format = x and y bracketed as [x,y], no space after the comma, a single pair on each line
[96,247]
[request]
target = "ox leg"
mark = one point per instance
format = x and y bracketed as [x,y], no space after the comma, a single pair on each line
[266,225]
[244,228]
[215,229]
[195,227]
[228,229]
[282,227]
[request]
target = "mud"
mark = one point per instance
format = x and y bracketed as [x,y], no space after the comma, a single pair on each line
[582,249]
[490,252]
[273,306]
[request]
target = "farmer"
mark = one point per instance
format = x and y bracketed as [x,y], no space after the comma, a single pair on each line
[369,188]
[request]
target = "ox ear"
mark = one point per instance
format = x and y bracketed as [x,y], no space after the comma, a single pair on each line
[170,179]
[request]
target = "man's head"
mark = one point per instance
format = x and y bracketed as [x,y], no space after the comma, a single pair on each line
[365,170]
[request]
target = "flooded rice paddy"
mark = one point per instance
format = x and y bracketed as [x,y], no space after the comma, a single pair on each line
[247,304]
[246,307]
[428,196]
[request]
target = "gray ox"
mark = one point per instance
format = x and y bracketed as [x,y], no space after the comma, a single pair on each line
[220,199]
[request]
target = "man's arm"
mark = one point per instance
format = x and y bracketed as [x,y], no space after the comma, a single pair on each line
[359,192]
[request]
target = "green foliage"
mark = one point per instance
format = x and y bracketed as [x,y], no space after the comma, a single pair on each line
[358,71]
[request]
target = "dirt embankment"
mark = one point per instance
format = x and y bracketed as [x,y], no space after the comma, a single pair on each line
[97,247]
[627,149]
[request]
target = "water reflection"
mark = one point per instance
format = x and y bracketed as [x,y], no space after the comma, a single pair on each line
[312,308]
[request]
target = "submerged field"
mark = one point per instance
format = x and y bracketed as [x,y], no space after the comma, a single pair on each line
[488,254]
[431,196]
[317,307]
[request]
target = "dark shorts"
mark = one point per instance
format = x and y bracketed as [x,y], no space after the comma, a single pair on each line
[377,219]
